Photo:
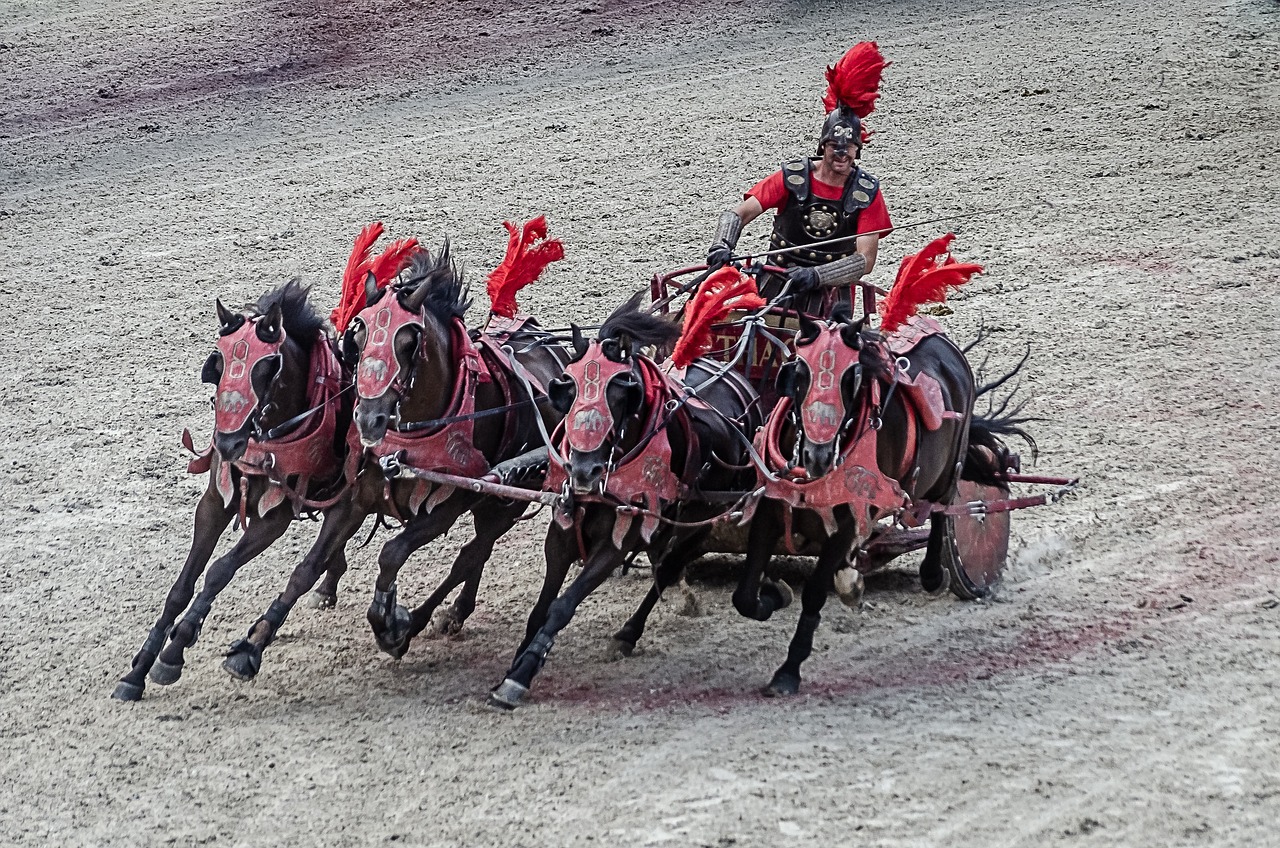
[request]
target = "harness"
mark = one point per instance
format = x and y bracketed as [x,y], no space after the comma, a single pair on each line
[306,452]
[642,482]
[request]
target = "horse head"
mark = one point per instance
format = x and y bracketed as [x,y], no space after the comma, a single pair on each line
[826,383]
[260,366]
[605,393]
[401,345]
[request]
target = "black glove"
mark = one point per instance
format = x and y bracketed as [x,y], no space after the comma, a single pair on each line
[803,280]
[718,256]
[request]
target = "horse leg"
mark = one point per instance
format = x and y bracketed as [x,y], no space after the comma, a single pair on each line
[492,521]
[326,594]
[327,553]
[668,572]
[390,620]
[757,596]
[258,536]
[561,549]
[786,680]
[211,519]
[935,576]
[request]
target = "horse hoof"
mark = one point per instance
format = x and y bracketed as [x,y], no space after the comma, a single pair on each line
[777,591]
[244,660]
[126,691]
[782,686]
[446,623]
[620,649]
[849,587]
[163,674]
[319,601]
[507,695]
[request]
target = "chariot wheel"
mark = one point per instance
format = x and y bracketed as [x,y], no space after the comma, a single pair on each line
[981,544]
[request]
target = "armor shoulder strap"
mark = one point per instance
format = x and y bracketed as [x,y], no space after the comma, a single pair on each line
[860,191]
[795,176]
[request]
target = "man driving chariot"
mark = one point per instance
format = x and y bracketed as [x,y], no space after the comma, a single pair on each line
[830,213]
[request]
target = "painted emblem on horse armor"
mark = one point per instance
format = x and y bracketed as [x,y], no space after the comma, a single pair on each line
[818,412]
[457,448]
[589,421]
[375,368]
[232,401]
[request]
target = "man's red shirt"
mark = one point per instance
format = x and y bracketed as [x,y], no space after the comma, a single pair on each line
[772,194]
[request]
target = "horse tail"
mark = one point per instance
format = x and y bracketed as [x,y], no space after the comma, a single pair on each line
[988,460]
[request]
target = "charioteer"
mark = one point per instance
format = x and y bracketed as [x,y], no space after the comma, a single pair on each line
[820,199]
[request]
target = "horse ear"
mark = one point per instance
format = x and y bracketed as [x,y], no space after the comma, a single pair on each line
[579,343]
[561,392]
[809,330]
[271,328]
[212,370]
[228,319]
[348,350]
[851,334]
[415,297]
[370,289]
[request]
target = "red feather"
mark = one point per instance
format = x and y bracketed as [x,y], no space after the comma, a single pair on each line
[353,277]
[385,266]
[529,252]
[721,293]
[923,278]
[854,81]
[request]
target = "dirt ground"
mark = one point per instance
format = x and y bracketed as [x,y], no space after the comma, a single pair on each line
[1120,689]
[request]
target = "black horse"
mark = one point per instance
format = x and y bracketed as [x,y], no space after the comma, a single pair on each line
[868,427]
[431,398]
[280,425]
[642,464]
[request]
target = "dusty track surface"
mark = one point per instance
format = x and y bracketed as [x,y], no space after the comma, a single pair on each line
[1120,689]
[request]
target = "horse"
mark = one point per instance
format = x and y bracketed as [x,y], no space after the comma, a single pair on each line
[640,458]
[432,398]
[280,424]
[867,426]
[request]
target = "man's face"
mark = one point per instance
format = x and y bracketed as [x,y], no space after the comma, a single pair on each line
[837,159]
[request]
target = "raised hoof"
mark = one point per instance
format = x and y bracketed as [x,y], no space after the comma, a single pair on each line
[777,591]
[318,601]
[620,649]
[126,691]
[392,637]
[507,695]
[782,686]
[446,622]
[244,660]
[849,587]
[163,674]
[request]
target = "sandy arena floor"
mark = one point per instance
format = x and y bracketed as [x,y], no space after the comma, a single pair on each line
[1119,690]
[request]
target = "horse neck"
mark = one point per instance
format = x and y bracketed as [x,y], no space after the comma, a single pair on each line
[288,395]
[435,373]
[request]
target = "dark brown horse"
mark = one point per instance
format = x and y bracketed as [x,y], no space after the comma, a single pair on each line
[643,461]
[867,427]
[430,397]
[280,423]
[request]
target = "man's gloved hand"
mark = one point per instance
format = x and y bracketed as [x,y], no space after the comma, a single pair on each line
[718,256]
[803,280]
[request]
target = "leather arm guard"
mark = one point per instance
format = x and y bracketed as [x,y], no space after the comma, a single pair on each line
[728,228]
[842,272]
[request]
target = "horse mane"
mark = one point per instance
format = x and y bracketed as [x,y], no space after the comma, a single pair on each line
[302,322]
[446,297]
[644,329]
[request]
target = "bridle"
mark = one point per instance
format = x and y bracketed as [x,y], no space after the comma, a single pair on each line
[236,404]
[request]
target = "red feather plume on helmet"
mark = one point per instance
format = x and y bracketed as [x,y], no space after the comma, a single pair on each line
[529,252]
[721,293]
[923,278]
[384,267]
[854,81]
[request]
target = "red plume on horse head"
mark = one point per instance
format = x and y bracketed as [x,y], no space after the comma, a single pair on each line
[854,81]
[924,278]
[529,252]
[721,293]
[384,267]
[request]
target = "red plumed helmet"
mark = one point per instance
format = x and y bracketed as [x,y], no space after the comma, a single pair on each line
[853,84]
